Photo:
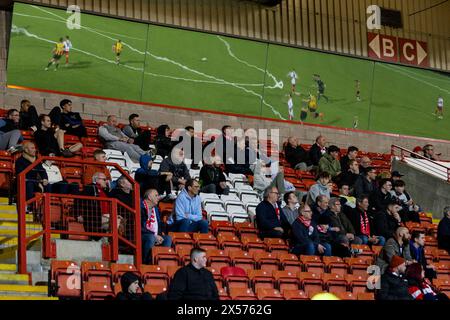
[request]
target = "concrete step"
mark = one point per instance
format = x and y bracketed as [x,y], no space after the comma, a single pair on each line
[21,279]
[14,225]
[23,290]
[12,216]
[27,298]
[8,268]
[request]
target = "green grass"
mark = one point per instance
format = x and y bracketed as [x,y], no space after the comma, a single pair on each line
[394,99]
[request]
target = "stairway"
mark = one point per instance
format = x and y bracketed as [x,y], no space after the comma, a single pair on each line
[15,286]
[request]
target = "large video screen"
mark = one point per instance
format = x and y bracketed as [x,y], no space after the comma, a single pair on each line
[133,61]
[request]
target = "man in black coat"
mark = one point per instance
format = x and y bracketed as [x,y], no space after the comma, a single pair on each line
[387,221]
[416,246]
[269,219]
[194,281]
[381,197]
[212,178]
[365,183]
[443,235]
[352,153]
[296,156]
[317,150]
[393,285]
[67,120]
[28,116]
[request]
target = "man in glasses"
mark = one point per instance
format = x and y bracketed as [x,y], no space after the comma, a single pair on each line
[428,152]
[269,219]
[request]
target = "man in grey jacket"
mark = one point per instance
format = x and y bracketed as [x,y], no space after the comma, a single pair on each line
[395,246]
[115,139]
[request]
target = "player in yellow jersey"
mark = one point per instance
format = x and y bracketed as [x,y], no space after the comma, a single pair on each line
[57,52]
[312,106]
[117,49]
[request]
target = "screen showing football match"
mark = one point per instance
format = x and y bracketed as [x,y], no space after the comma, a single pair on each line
[113,58]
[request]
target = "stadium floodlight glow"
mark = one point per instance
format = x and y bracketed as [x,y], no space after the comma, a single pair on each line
[374,20]
[74,21]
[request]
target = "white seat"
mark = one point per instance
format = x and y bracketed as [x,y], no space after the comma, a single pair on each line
[230,197]
[115,174]
[237,177]
[214,207]
[247,197]
[112,152]
[194,173]
[155,166]
[120,162]
[217,216]
[188,162]
[130,163]
[204,196]
[239,217]
[240,185]
[235,208]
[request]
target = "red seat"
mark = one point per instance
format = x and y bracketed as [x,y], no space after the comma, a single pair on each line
[310,282]
[76,227]
[252,243]
[234,277]
[164,256]
[242,294]
[334,282]
[181,238]
[357,283]
[96,272]
[364,249]
[218,258]
[93,142]
[229,242]
[366,296]
[312,264]
[289,262]
[358,265]
[65,275]
[286,280]
[443,269]
[92,132]
[217,276]
[243,228]
[171,270]
[118,269]
[295,295]
[154,290]
[442,255]
[335,265]
[261,279]
[184,255]
[276,245]
[345,295]
[90,123]
[206,241]
[156,275]
[223,294]
[266,261]
[97,291]
[224,227]
[268,294]
[242,259]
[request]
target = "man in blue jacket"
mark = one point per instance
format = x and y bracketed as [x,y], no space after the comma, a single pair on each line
[188,210]
[151,225]
[269,220]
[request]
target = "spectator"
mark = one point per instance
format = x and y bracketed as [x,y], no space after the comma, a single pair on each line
[149,178]
[410,210]
[365,164]
[290,210]
[240,163]
[320,208]
[163,143]
[350,176]
[393,285]
[195,141]
[123,191]
[225,146]
[115,139]
[194,281]
[10,134]
[29,119]
[395,176]
[387,220]
[152,229]
[340,224]
[380,197]
[90,170]
[330,162]
[363,225]
[416,245]
[417,152]
[296,156]
[322,187]
[268,215]
[317,150]
[188,210]
[443,235]
[327,238]
[36,179]
[69,121]
[305,237]
[132,288]
[352,153]
[419,287]
[345,197]
[50,141]
[428,152]
[398,245]
[139,136]
[212,178]
[365,184]
[175,165]
[56,182]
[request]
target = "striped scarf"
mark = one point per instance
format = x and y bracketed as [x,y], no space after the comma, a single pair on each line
[365,226]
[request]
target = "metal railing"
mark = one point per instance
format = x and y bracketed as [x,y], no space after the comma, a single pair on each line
[53,213]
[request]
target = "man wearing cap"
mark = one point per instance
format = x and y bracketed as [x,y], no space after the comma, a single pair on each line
[330,162]
[393,285]
[395,175]
[398,245]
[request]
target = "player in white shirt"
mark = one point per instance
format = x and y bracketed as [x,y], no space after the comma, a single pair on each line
[293,75]
[290,104]
[67,47]
[440,108]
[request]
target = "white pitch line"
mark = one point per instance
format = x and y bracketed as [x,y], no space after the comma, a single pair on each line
[417,79]
[276,112]
[418,74]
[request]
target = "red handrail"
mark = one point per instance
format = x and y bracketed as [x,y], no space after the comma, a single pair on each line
[46,232]
[418,156]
